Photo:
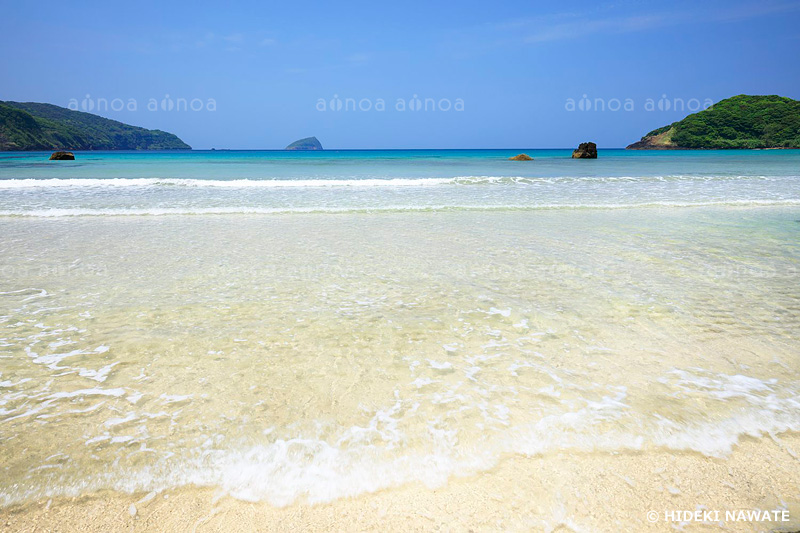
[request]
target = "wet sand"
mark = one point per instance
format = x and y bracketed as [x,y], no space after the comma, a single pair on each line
[559,492]
[557,371]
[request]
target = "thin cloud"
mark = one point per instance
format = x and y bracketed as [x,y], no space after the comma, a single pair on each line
[231,42]
[236,38]
[351,61]
[567,26]
[358,58]
[748,11]
[581,27]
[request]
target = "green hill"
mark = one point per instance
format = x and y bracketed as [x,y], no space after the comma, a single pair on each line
[34,126]
[738,122]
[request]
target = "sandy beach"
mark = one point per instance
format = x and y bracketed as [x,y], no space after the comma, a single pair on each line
[462,267]
[505,379]
[558,492]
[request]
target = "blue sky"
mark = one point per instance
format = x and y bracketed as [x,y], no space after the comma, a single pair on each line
[263,74]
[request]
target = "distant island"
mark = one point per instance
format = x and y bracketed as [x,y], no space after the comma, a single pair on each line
[742,121]
[35,126]
[309,143]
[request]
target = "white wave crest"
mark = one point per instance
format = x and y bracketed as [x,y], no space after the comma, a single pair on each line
[354,182]
[246,210]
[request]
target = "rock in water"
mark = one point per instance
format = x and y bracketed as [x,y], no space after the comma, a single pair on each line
[585,151]
[521,157]
[62,156]
[309,143]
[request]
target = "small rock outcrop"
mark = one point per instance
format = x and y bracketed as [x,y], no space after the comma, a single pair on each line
[62,156]
[585,151]
[521,157]
[309,143]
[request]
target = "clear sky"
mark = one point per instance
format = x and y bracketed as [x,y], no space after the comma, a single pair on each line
[262,74]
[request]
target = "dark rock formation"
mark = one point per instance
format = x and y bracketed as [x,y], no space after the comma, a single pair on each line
[62,156]
[585,151]
[309,143]
[521,157]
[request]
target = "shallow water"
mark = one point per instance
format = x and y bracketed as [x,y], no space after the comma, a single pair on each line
[313,356]
[114,183]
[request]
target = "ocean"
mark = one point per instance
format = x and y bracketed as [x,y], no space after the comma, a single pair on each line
[116,183]
[297,328]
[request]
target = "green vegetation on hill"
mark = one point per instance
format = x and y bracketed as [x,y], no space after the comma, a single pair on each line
[738,122]
[34,126]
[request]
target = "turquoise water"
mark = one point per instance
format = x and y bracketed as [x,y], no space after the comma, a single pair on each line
[279,181]
[404,317]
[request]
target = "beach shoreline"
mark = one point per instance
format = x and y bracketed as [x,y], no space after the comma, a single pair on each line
[231,301]
[566,491]
[557,371]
